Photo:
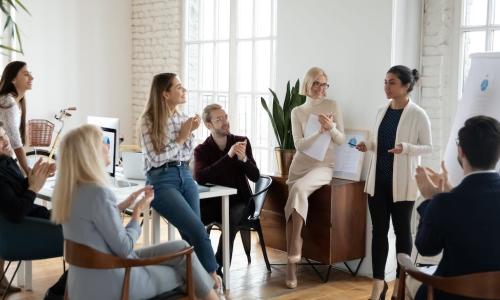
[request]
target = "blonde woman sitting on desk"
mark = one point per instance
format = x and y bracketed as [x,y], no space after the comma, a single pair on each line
[89,215]
[307,174]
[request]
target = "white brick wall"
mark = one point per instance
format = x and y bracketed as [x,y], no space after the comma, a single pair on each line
[436,60]
[156,45]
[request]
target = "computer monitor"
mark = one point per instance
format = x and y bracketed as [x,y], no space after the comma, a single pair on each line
[112,123]
[109,138]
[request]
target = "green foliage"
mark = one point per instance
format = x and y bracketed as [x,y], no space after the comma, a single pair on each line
[10,28]
[281,115]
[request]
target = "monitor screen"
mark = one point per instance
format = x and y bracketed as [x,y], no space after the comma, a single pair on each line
[109,138]
[112,123]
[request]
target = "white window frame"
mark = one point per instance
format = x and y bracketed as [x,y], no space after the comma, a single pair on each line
[233,40]
[489,28]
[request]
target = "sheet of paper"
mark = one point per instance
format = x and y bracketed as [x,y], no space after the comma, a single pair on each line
[318,149]
[347,158]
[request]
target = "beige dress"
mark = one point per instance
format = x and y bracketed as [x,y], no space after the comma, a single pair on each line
[306,173]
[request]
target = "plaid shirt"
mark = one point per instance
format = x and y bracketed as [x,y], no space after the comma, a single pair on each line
[172,151]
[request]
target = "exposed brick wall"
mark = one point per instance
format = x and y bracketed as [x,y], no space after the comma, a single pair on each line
[436,72]
[156,45]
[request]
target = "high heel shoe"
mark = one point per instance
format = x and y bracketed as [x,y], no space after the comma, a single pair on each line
[384,291]
[291,283]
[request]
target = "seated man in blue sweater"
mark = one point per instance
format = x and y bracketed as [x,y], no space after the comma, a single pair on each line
[17,201]
[463,222]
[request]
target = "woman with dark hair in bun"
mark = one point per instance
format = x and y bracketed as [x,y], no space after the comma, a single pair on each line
[402,133]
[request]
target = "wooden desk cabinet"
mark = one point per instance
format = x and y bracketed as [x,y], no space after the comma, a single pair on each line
[336,222]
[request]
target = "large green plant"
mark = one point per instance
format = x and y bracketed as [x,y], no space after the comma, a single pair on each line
[10,27]
[281,116]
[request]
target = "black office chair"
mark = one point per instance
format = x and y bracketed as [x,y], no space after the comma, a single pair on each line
[251,220]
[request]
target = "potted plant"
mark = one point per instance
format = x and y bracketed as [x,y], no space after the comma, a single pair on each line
[10,27]
[282,124]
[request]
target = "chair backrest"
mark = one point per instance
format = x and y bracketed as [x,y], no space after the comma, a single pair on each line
[485,285]
[86,257]
[259,196]
[31,239]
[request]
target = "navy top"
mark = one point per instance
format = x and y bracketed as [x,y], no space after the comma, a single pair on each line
[386,141]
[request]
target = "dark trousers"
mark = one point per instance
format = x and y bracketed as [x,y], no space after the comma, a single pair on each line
[382,208]
[211,211]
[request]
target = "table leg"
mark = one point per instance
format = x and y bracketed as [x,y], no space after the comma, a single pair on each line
[225,241]
[156,227]
[147,230]
[20,275]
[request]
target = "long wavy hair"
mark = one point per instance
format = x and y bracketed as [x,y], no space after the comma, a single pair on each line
[7,87]
[80,161]
[156,113]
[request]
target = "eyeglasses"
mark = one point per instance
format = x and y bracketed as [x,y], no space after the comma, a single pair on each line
[220,119]
[321,84]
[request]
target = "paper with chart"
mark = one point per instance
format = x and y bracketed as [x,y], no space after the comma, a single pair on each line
[319,147]
[347,158]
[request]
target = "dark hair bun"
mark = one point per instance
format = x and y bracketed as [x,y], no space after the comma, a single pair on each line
[416,75]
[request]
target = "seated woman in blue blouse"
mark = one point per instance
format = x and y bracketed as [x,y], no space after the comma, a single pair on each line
[89,214]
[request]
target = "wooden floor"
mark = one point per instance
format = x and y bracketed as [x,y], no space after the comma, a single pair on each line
[248,281]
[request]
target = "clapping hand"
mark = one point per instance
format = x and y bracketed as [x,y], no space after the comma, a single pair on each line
[196,120]
[185,131]
[431,183]
[143,203]
[133,197]
[326,121]
[240,150]
[38,175]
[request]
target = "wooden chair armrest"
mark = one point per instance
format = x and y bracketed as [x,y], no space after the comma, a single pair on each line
[136,262]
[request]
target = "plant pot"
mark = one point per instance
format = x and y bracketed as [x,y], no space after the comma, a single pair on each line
[284,160]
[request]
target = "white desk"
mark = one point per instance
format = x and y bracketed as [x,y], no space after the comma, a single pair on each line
[124,192]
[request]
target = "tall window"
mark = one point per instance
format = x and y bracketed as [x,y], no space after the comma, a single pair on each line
[479,30]
[230,59]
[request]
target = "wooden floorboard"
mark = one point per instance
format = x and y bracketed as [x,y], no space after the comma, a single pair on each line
[248,281]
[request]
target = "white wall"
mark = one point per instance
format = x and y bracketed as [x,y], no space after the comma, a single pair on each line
[350,40]
[80,55]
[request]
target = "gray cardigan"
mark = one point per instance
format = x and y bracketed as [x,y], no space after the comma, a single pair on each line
[95,221]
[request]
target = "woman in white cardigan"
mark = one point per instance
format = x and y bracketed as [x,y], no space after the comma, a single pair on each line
[401,134]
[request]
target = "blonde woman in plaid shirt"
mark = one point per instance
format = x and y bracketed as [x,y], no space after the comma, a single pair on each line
[166,136]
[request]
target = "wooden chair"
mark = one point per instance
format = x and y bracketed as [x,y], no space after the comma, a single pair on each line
[485,285]
[86,257]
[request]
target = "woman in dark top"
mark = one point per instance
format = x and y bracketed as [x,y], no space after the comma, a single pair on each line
[401,134]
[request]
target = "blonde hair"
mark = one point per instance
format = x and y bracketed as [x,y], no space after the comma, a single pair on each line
[80,161]
[206,116]
[156,114]
[309,78]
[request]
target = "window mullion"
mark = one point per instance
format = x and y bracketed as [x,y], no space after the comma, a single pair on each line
[232,101]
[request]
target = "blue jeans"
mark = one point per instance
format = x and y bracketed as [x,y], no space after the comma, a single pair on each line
[177,199]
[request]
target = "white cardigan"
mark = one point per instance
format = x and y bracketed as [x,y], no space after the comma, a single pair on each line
[414,133]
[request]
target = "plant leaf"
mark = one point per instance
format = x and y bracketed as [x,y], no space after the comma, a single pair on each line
[23,7]
[18,35]
[9,48]
[278,117]
[264,104]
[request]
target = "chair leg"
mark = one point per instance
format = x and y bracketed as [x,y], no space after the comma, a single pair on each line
[263,245]
[247,244]
[209,228]
[12,279]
